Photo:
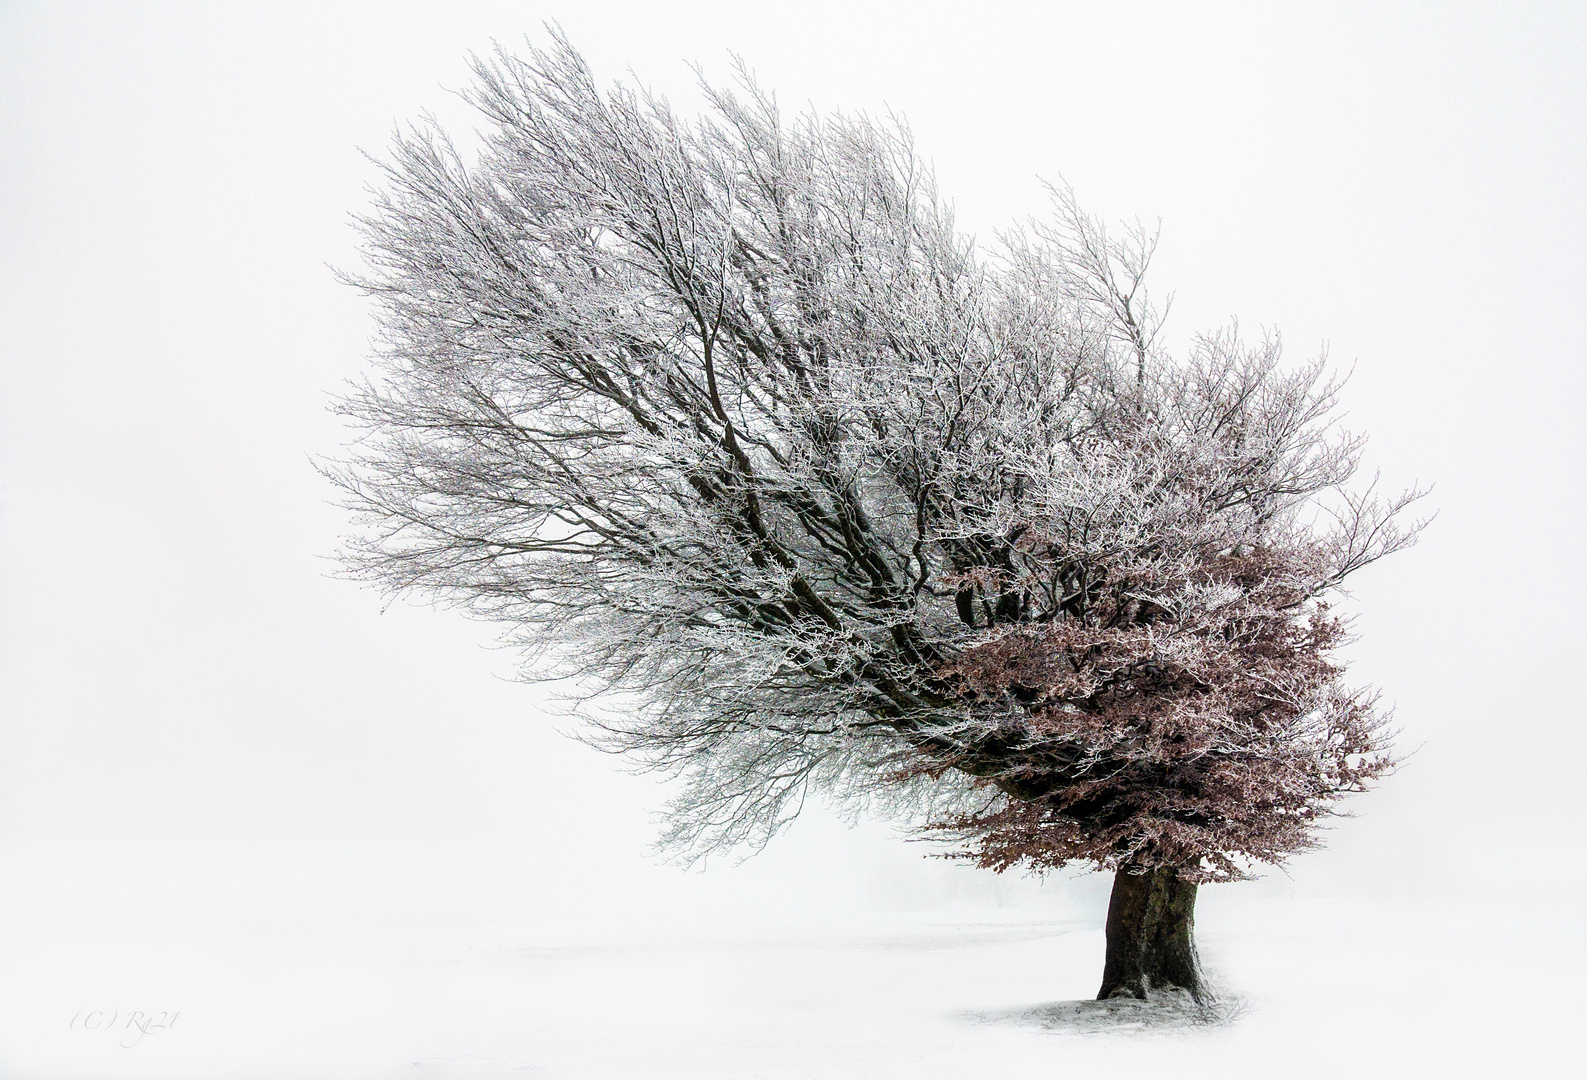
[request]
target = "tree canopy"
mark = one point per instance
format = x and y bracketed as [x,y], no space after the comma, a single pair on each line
[723,418]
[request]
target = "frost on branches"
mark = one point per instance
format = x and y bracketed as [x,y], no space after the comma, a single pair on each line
[723,418]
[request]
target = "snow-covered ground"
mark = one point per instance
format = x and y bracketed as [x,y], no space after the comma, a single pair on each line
[266,983]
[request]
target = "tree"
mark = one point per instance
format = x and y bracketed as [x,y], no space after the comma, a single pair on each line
[726,419]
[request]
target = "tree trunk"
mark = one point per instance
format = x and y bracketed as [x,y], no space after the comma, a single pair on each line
[1149,932]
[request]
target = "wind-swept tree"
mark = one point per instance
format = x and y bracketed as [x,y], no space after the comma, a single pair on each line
[725,417]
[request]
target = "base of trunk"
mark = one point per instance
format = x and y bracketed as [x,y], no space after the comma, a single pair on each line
[1150,936]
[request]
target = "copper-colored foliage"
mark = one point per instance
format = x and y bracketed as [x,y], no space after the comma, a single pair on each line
[1153,737]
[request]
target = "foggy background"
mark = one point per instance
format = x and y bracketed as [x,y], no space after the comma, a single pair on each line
[202,733]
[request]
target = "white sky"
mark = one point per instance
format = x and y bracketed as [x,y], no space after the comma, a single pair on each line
[180,674]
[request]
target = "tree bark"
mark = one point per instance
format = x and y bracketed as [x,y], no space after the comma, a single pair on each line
[1151,944]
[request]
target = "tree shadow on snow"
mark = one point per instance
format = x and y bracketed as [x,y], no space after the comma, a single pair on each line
[1162,1012]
